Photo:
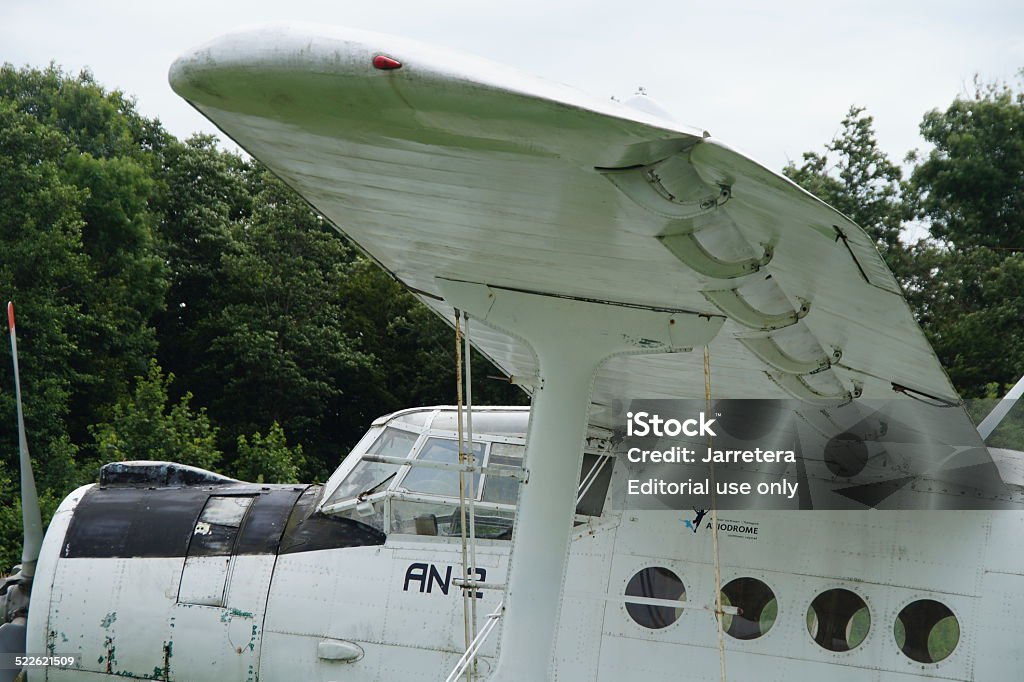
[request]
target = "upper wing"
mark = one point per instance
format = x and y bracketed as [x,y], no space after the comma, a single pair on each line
[454,167]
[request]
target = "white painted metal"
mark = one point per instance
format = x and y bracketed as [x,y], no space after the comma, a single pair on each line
[43,593]
[203,580]
[337,650]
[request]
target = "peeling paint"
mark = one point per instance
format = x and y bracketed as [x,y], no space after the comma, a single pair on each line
[108,620]
[234,613]
[111,661]
[168,652]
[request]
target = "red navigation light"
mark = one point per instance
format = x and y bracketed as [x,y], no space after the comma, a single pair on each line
[386,63]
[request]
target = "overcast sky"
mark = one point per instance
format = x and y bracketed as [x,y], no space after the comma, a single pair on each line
[772,78]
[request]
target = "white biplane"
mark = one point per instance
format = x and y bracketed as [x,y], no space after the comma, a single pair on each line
[597,251]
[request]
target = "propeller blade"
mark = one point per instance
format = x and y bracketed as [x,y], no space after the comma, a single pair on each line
[12,641]
[31,517]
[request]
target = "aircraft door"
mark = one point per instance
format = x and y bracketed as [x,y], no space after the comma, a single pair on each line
[208,562]
[221,596]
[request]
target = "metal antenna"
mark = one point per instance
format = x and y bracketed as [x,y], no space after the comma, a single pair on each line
[31,518]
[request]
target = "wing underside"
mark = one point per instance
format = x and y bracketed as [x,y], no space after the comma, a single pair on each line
[456,168]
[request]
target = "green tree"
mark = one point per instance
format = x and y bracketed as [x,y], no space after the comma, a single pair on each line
[111,156]
[857,178]
[268,459]
[145,427]
[102,123]
[42,270]
[207,194]
[275,342]
[413,348]
[969,191]
[970,184]
[10,524]
[127,276]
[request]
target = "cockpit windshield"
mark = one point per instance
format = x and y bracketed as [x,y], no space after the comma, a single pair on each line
[422,496]
[392,442]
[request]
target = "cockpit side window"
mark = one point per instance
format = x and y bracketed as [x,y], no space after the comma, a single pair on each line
[503,489]
[443,518]
[365,475]
[217,527]
[441,481]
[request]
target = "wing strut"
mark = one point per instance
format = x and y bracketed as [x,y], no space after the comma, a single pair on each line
[571,339]
[999,412]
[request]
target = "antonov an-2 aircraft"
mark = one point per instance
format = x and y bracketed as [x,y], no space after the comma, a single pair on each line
[597,251]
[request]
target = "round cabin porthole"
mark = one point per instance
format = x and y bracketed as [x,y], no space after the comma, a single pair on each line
[756,605]
[926,631]
[655,582]
[838,620]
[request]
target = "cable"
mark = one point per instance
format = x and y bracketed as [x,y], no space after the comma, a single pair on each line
[714,524]
[466,594]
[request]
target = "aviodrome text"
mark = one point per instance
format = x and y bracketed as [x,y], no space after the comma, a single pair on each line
[677,454]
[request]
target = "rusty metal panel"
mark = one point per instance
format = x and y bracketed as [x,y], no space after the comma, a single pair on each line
[114,612]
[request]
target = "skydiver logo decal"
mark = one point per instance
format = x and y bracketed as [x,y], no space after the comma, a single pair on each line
[695,524]
[428,576]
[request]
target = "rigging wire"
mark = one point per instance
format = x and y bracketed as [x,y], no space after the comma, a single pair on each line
[462,486]
[719,613]
[471,457]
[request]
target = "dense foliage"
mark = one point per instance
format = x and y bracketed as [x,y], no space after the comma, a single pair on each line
[176,301]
